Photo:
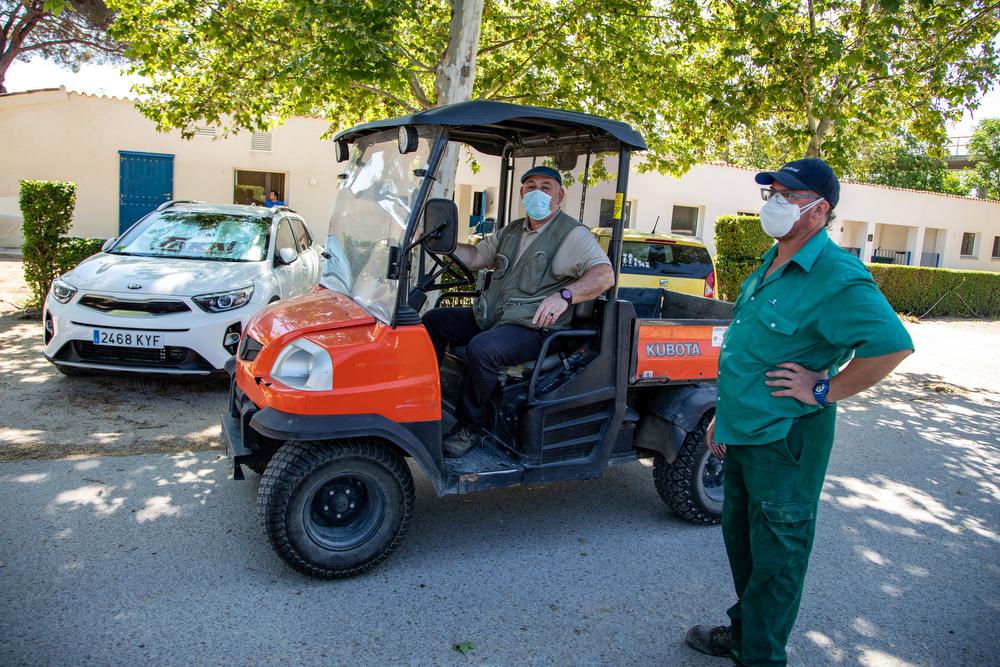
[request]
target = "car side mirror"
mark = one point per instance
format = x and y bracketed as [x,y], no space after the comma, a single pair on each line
[109,244]
[287,255]
[440,226]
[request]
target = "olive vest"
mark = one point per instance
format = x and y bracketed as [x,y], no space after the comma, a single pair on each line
[519,284]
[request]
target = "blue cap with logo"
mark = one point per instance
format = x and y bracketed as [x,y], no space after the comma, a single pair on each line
[810,173]
[548,172]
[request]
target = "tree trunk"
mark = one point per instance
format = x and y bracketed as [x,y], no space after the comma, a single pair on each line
[456,75]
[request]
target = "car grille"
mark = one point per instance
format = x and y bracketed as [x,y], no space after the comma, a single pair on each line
[107,304]
[168,357]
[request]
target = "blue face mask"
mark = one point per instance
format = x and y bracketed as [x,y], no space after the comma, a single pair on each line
[536,205]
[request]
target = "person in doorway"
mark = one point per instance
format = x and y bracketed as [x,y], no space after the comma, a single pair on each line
[273,199]
[807,310]
[543,264]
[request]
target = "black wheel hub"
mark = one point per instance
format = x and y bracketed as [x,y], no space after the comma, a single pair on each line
[344,512]
[711,478]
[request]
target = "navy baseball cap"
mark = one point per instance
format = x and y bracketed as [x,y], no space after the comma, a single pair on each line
[548,172]
[810,173]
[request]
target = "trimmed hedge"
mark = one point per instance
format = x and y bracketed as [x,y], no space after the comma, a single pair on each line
[47,208]
[739,243]
[73,250]
[939,292]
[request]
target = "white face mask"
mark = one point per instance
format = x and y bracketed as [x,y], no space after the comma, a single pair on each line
[778,215]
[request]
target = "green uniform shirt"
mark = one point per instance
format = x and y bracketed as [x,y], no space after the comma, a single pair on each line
[817,310]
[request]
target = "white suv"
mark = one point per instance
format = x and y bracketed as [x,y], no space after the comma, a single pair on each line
[173,293]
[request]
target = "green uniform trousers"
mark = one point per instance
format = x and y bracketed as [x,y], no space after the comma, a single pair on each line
[768,522]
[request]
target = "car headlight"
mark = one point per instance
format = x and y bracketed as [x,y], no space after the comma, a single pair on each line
[62,291]
[303,364]
[219,302]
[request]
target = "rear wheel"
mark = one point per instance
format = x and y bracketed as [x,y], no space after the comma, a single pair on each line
[692,485]
[335,509]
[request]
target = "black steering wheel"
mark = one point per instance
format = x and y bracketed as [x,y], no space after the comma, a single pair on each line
[439,260]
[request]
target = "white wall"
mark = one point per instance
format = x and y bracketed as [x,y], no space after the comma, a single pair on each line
[73,137]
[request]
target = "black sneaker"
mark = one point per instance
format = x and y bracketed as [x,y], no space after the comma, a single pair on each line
[461,439]
[717,641]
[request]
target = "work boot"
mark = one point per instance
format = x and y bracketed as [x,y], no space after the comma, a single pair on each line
[716,641]
[461,439]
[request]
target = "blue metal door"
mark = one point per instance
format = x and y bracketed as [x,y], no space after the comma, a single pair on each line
[146,180]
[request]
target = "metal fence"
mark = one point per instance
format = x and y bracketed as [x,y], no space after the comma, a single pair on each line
[883,256]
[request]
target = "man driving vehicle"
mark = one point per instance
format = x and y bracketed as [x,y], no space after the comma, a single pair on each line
[543,263]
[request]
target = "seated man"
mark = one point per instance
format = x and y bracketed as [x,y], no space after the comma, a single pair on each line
[542,265]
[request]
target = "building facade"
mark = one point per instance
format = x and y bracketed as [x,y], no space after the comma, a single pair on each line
[121,164]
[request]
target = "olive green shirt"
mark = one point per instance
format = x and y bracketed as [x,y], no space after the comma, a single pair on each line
[818,310]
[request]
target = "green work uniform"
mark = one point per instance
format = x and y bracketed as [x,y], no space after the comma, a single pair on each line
[817,310]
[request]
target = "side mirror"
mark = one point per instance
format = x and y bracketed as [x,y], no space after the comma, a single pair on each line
[287,255]
[109,244]
[440,226]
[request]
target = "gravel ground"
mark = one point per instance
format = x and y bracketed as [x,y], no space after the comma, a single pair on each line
[157,559]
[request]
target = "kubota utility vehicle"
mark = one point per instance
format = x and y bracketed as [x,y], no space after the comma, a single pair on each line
[333,391]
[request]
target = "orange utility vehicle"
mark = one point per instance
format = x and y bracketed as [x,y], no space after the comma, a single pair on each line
[332,392]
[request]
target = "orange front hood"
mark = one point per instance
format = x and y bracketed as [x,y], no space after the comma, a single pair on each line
[320,310]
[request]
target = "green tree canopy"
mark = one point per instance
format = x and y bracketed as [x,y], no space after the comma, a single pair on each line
[751,81]
[903,162]
[70,32]
[984,151]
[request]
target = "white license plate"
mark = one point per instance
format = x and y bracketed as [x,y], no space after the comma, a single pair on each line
[128,338]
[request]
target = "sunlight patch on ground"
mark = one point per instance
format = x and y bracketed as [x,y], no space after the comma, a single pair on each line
[826,643]
[872,556]
[95,496]
[21,435]
[864,627]
[871,657]
[87,465]
[31,478]
[156,507]
[886,495]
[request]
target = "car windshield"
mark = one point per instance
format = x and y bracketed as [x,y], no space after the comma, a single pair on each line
[665,259]
[223,237]
[372,205]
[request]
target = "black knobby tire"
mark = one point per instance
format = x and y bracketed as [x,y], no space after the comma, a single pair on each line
[315,523]
[691,485]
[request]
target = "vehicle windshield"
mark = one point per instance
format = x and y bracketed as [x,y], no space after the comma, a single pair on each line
[665,259]
[223,237]
[372,205]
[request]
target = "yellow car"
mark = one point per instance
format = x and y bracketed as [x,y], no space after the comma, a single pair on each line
[668,261]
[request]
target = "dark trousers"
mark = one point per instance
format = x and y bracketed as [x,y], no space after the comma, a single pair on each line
[486,352]
[768,523]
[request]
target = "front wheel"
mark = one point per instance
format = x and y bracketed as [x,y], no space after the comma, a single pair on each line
[335,509]
[691,486]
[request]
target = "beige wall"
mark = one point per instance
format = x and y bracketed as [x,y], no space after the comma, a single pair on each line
[68,136]
[72,137]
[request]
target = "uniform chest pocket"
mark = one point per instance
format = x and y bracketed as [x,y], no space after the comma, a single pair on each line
[533,271]
[774,321]
[500,266]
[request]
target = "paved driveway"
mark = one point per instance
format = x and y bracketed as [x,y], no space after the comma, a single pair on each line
[158,559]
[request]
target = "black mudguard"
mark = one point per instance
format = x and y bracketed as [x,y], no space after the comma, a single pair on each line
[670,414]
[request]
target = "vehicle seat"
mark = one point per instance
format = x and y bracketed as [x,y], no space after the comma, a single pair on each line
[583,318]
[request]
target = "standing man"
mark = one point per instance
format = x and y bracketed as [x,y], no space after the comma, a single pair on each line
[543,264]
[806,311]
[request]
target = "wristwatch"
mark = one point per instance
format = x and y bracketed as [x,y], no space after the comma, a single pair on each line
[820,390]
[566,294]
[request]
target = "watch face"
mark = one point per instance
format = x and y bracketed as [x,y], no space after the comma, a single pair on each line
[566,294]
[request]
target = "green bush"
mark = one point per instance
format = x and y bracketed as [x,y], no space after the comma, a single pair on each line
[939,292]
[47,209]
[739,243]
[73,250]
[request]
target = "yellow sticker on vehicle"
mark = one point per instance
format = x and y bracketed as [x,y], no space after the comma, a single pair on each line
[619,202]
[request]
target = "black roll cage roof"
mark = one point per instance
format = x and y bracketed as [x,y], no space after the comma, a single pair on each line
[494,128]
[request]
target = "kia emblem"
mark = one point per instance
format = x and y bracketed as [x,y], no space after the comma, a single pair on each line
[135,286]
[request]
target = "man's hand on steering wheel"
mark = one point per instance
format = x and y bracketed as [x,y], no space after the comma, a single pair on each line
[549,311]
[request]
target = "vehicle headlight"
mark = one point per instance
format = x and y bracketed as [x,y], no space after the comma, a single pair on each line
[303,364]
[219,302]
[62,291]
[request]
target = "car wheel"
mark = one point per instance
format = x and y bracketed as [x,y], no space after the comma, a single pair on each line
[691,486]
[335,509]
